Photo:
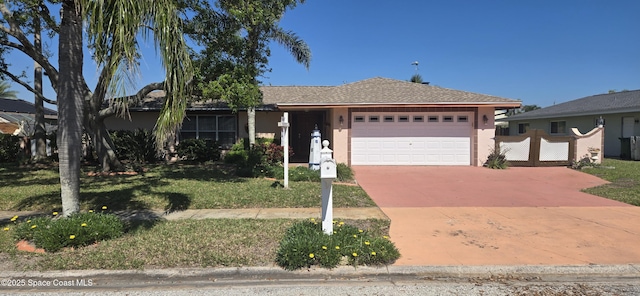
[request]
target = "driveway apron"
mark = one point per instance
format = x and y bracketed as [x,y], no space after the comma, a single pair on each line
[519,216]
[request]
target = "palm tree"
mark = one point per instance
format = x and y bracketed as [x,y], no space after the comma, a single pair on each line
[416,78]
[5,91]
[114,41]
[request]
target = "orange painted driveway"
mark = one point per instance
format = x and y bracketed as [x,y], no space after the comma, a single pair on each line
[518,216]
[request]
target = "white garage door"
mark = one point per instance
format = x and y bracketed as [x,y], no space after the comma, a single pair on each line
[411,138]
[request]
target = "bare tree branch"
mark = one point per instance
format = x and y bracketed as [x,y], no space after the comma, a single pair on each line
[131,100]
[27,86]
[15,31]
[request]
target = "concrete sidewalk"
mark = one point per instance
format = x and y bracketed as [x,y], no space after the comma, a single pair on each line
[255,213]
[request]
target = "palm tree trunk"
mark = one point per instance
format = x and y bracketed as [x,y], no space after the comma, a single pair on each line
[70,105]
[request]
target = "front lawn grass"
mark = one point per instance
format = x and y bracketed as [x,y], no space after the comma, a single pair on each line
[166,187]
[170,244]
[624,176]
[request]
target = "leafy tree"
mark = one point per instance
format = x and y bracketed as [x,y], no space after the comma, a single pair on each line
[243,31]
[524,108]
[112,31]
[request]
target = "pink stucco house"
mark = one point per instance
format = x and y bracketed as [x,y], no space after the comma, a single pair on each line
[376,121]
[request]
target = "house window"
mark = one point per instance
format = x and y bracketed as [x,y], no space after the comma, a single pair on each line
[388,118]
[447,118]
[418,118]
[403,118]
[358,119]
[374,118]
[523,127]
[558,127]
[463,118]
[220,128]
[433,119]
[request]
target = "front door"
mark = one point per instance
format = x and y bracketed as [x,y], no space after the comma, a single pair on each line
[302,125]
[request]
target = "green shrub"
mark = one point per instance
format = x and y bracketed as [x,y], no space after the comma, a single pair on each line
[260,160]
[344,172]
[497,159]
[80,229]
[305,244]
[198,150]
[9,148]
[305,174]
[136,146]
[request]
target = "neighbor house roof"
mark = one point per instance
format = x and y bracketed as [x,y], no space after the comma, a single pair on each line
[619,102]
[377,91]
[8,128]
[21,106]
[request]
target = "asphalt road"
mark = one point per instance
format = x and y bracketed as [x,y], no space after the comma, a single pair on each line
[513,280]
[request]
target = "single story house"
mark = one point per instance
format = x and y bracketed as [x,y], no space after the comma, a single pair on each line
[17,116]
[377,121]
[619,112]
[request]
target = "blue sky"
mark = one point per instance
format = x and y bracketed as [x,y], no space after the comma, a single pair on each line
[538,51]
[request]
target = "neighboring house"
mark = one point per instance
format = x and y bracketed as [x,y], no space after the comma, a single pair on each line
[377,121]
[620,113]
[17,117]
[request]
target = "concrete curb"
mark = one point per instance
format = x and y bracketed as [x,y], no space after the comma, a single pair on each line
[547,271]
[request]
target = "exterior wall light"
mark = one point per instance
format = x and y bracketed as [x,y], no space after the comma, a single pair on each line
[485,119]
[341,120]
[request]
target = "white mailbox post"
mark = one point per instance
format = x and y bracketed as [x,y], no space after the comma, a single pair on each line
[284,141]
[328,172]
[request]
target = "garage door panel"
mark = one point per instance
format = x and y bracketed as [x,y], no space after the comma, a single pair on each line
[411,143]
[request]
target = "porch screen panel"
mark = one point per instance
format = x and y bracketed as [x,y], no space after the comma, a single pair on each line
[226,130]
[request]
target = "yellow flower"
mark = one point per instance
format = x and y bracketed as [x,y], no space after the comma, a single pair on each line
[355,235]
[104,207]
[83,224]
[385,237]
[341,223]
[311,255]
[313,220]
[6,229]
[337,247]
[72,236]
[355,254]
[14,218]
[334,221]
[28,221]
[324,247]
[90,211]
[33,226]
[360,230]
[367,243]
[373,253]
[55,213]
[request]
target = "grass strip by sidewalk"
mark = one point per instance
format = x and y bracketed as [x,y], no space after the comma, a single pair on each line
[166,187]
[171,244]
[624,176]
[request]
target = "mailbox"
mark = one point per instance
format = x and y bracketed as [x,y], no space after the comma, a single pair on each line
[328,169]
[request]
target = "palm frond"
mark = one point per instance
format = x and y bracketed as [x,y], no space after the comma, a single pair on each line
[294,44]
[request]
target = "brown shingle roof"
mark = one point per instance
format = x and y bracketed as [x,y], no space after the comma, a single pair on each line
[375,91]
